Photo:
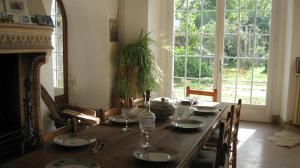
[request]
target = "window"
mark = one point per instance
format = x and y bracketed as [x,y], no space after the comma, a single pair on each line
[59,53]
[233,34]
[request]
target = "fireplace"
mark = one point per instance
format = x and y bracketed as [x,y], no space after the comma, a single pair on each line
[23,50]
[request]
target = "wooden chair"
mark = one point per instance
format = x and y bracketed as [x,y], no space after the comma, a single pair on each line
[213,94]
[216,157]
[56,110]
[110,112]
[234,134]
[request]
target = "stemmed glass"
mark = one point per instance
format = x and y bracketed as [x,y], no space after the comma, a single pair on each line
[126,114]
[192,100]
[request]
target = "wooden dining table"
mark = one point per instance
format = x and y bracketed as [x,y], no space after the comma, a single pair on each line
[119,146]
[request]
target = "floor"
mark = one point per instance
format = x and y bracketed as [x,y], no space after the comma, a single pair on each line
[256,151]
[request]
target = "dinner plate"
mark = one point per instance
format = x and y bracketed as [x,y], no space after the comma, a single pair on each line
[205,110]
[74,140]
[121,119]
[154,154]
[73,163]
[187,124]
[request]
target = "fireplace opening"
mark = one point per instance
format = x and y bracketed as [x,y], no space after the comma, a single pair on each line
[9,94]
[11,131]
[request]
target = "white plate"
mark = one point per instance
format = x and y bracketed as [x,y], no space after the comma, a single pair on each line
[121,119]
[73,163]
[155,154]
[205,110]
[73,140]
[187,124]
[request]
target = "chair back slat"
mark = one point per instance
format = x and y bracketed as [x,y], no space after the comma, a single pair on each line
[213,94]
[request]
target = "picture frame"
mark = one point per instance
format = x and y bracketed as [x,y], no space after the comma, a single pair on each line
[297,64]
[113,30]
[25,19]
[16,6]
[44,20]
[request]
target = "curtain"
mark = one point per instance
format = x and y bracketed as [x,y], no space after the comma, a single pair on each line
[296,119]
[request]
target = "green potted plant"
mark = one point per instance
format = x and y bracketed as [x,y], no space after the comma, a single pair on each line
[136,68]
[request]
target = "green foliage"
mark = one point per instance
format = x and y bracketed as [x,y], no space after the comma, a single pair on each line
[193,68]
[137,67]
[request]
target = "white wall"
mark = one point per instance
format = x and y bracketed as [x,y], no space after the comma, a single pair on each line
[90,51]
[134,18]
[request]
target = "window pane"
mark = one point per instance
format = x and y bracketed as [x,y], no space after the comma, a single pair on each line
[231,22]
[209,5]
[244,69]
[178,87]
[232,4]
[179,47]
[229,69]
[230,45]
[194,5]
[262,46]
[259,93]
[181,4]
[207,67]
[180,22]
[193,67]
[179,66]
[208,45]
[244,91]
[194,45]
[260,70]
[247,44]
[228,91]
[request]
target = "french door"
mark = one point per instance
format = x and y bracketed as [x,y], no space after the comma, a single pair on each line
[222,44]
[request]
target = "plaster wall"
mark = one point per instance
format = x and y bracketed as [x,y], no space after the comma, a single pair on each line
[90,51]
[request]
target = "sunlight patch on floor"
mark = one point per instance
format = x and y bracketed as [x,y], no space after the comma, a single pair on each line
[244,134]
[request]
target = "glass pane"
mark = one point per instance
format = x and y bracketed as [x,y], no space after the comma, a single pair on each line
[208,44]
[193,83]
[262,46]
[58,43]
[230,45]
[59,61]
[209,22]
[178,87]
[60,79]
[179,66]
[244,91]
[229,69]
[179,46]
[195,22]
[207,67]
[194,45]
[259,93]
[232,4]
[181,4]
[228,91]
[231,22]
[209,5]
[248,5]
[180,23]
[193,67]
[260,71]
[244,70]
[194,5]
[58,25]
[247,43]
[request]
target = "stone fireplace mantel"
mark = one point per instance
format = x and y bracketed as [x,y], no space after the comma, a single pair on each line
[29,45]
[19,38]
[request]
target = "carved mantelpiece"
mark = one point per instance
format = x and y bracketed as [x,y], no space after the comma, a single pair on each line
[30,44]
[16,38]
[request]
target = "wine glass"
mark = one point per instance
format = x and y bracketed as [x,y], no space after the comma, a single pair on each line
[126,114]
[179,112]
[146,127]
[192,101]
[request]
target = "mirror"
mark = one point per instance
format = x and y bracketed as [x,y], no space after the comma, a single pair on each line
[59,53]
